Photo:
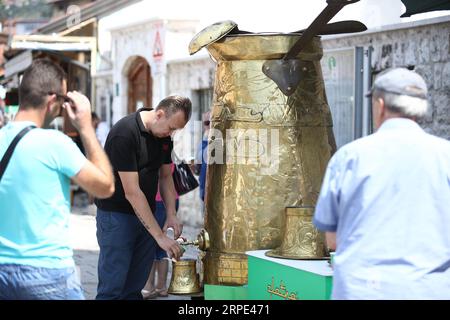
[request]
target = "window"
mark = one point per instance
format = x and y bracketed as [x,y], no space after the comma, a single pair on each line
[204,98]
[345,82]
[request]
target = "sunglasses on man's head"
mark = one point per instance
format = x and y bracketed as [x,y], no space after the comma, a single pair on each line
[61,96]
[65,98]
[206,123]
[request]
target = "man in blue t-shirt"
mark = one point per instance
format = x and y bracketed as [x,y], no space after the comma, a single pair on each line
[36,258]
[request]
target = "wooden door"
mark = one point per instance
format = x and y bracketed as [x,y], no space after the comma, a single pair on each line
[139,85]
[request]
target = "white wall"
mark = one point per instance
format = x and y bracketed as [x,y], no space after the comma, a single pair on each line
[140,40]
[183,77]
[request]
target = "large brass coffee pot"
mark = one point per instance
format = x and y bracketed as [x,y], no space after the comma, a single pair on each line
[267,151]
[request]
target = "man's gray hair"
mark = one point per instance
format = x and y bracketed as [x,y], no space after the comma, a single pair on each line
[405,105]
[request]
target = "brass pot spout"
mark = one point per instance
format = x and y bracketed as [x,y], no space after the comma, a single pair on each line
[202,241]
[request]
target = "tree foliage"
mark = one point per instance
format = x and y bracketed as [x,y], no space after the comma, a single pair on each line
[30,9]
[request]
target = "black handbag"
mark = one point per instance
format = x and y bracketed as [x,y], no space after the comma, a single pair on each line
[183,178]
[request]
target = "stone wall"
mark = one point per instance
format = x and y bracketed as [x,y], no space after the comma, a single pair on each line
[424,45]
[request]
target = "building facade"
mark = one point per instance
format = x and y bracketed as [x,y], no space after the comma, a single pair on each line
[140,53]
[423,46]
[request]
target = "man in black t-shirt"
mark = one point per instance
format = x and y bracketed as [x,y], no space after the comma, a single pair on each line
[139,147]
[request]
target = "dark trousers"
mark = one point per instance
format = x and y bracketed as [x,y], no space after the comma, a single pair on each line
[126,256]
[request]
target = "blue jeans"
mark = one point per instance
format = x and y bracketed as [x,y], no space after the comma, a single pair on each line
[160,216]
[21,282]
[126,256]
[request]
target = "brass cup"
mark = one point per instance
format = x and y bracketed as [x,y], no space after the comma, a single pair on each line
[301,240]
[185,279]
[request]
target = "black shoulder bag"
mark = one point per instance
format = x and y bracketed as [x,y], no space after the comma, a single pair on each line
[183,179]
[10,150]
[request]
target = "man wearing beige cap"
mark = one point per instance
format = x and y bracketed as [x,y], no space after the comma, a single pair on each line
[384,202]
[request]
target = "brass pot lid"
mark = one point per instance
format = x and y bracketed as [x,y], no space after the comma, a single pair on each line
[211,34]
[277,254]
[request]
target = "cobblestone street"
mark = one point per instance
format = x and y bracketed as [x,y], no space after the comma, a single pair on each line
[86,250]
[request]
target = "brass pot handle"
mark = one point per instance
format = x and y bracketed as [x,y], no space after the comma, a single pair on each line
[346,26]
[284,71]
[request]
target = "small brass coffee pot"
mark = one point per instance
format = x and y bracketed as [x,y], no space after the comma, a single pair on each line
[185,279]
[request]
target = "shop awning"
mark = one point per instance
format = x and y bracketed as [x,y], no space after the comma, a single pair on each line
[52,43]
[30,43]
[18,64]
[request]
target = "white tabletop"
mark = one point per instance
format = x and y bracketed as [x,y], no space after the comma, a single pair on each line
[320,267]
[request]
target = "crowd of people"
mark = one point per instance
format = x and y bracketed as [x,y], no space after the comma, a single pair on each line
[383,203]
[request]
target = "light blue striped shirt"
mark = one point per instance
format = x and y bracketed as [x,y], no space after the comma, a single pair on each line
[387,197]
[35,198]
